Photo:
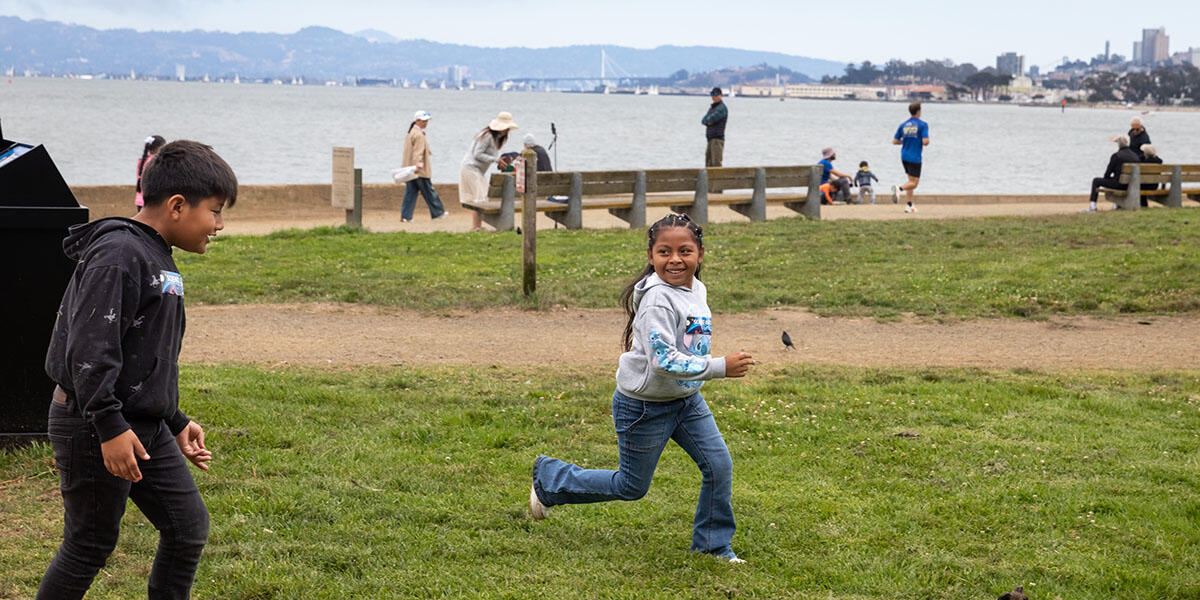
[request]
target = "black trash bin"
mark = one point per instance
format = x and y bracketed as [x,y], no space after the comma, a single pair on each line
[36,208]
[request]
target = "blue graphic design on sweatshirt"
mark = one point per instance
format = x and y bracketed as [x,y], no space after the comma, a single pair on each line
[675,362]
[697,335]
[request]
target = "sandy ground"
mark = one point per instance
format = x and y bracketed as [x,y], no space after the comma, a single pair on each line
[324,334]
[460,220]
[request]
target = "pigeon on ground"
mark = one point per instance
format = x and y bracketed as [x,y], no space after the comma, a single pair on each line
[1018,593]
[787,342]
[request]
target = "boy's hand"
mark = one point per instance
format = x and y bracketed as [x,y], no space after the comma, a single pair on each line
[737,364]
[121,455]
[191,443]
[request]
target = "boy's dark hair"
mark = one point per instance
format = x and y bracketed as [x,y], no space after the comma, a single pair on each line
[914,108]
[671,220]
[862,164]
[190,169]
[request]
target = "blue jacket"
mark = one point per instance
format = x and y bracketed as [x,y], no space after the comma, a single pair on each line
[715,119]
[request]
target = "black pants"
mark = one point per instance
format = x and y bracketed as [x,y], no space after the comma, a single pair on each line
[1099,182]
[94,500]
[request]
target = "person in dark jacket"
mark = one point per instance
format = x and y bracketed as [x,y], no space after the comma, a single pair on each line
[1149,155]
[1137,136]
[1112,174]
[115,424]
[714,123]
[543,157]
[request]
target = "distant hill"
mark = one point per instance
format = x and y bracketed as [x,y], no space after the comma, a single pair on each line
[54,48]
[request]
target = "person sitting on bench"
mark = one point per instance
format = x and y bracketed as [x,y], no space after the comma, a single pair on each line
[1112,174]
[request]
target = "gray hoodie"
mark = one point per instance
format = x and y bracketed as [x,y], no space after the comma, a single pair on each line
[669,358]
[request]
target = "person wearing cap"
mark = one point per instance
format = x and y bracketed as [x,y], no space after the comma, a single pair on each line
[839,186]
[1138,136]
[483,153]
[416,153]
[543,162]
[714,123]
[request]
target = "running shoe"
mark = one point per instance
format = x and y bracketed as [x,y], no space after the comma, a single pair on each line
[895,194]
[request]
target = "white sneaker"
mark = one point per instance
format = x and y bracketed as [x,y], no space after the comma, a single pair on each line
[536,509]
[403,220]
[442,216]
[908,208]
[736,561]
[1089,209]
[895,194]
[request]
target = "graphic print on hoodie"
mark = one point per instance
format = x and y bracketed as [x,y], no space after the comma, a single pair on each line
[116,341]
[669,355]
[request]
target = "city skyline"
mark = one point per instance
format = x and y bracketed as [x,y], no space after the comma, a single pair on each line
[851,32]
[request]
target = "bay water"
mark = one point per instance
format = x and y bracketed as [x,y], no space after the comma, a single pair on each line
[283,134]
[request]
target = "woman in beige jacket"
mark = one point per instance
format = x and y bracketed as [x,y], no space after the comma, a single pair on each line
[416,152]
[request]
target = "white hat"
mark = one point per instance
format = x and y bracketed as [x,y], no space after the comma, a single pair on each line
[421,115]
[530,140]
[502,122]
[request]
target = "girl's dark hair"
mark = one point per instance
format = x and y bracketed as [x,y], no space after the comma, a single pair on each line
[500,137]
[153,143]
[411,125]
[671,220]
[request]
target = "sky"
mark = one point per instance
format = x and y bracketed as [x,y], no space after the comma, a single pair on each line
[960,30]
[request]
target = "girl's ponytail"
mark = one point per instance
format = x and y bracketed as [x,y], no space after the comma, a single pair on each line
[152,144]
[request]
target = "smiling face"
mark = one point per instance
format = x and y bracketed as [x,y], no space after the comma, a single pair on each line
[675,256]
[193,224]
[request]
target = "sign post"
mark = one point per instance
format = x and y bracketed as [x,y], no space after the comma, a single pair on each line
[346,191]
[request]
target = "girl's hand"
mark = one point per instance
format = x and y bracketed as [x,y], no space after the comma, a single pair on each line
[737,364]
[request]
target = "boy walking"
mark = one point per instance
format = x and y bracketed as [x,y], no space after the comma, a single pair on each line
[863,180]
[115,423]
[912,136]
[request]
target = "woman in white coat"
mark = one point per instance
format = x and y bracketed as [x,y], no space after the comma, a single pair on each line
[484,152]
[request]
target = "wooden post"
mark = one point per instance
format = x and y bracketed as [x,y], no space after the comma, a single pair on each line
[354,215]
[1175,194]
[529,225]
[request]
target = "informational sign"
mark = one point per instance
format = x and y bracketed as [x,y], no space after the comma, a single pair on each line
[519,173]
[343,178]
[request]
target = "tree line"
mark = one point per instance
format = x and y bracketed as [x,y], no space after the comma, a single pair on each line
[960,80]
[1173,84]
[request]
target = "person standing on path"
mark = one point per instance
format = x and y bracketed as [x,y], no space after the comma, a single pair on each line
[1138,136]
[912,136]
[416,153]
[714,123]
[484,151]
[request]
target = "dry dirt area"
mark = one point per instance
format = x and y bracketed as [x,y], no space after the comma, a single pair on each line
[323,334]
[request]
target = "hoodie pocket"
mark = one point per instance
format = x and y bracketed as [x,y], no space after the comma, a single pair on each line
[150,387]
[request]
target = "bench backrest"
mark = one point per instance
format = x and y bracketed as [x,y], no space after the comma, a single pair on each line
[1156,173]
[599,183]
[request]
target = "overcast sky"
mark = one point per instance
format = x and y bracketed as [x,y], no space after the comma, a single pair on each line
[875,30]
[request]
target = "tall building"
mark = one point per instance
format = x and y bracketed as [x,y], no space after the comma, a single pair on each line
[1011,63]
[1137,53]
[1106,54]
[1154,46]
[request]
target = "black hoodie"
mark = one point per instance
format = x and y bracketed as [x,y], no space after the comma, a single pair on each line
[115,345]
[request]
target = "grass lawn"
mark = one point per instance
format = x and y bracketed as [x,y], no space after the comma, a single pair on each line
[1142,262]
[850,483]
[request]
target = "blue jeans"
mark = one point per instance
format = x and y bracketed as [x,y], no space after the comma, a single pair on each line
[425,186]
[643,430]
[94,500]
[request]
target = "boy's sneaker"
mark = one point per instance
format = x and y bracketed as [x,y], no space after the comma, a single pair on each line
[536,508]
[442,216]
[403,220]
[895,194]
[1089,209]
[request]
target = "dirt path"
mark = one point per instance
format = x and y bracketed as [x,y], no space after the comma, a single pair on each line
[351,334]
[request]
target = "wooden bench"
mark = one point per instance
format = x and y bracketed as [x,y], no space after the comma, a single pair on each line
[1171,191]
[627,194]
